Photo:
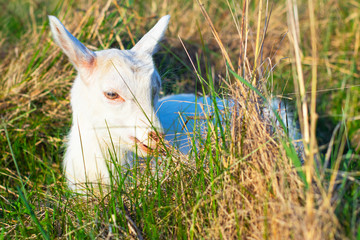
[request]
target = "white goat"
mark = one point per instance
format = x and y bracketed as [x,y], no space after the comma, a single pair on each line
[112,100]
[115,106]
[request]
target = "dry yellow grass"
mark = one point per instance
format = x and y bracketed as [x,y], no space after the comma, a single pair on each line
[261,195]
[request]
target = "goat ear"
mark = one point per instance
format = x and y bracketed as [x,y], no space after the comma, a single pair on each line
[149,42]
[83,59]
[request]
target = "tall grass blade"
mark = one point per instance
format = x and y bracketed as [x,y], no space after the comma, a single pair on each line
[33,216]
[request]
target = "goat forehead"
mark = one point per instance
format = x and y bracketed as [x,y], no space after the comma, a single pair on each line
[124,62]
[123,69]
[124,59]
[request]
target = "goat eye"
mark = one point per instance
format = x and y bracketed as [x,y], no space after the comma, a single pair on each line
[111,95]
[114,96]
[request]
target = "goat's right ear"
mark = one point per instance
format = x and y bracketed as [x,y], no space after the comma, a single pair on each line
[83,59]
[150,41]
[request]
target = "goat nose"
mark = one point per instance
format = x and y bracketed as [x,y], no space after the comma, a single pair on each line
[155,136]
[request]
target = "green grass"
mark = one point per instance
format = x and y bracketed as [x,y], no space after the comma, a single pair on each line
[219,192]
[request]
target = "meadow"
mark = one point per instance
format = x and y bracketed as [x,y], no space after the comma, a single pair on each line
[245,181]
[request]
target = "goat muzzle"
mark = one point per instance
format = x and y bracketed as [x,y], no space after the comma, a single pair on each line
[155,141]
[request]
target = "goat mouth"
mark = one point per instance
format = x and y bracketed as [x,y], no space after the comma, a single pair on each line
[149,150]
[142,146]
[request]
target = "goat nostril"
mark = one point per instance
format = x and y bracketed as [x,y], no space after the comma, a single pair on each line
[155,136]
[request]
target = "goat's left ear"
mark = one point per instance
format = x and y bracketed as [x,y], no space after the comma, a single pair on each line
[150,41]
[83,59]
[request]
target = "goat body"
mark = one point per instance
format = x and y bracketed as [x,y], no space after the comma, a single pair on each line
[115,106]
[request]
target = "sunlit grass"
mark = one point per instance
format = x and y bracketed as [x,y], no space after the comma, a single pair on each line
[241,181]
